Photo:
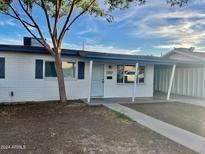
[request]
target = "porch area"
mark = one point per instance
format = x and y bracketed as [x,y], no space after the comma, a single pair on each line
[157,98]
[123,100]
[130,79]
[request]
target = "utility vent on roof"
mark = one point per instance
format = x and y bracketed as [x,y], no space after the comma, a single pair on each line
[29,41]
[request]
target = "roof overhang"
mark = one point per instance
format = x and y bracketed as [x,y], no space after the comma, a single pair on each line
[97,56]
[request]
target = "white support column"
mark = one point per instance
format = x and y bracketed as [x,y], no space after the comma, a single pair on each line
[90,80]
[135,82]
[171,81]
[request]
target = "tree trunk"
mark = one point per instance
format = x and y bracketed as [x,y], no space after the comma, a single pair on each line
[60,76]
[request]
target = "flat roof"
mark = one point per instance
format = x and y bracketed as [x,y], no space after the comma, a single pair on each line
[97,56]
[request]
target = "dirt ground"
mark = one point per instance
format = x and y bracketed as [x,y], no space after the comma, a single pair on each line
[56,128]
[186,116]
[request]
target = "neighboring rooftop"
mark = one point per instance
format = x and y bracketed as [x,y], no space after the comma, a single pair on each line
[190,52]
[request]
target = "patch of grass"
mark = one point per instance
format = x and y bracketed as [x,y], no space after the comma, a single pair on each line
[122,116]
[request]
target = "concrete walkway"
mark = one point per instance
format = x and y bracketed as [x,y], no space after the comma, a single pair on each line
[181,136]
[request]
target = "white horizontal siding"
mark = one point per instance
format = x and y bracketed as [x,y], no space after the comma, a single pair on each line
[113,89]
[20,78]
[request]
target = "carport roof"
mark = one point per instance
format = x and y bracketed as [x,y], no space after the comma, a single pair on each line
[97,56]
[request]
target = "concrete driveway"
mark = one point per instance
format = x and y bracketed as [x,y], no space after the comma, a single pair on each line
[186,116]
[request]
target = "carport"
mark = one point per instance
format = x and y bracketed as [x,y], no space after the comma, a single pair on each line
[180,81]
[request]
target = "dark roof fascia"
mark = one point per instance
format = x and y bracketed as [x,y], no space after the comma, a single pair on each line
[134,59]
[33,50]
[128,61]
[89,55]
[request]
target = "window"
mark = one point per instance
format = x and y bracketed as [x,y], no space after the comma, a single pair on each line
[39,69]
[141,74]
[120,74]
[69,69]
[129,74]
[126,74]
[81,70]
[50,70]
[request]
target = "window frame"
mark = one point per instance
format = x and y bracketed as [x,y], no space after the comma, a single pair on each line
[37,77]
[48,77]
[138,83]
[75,69]
[63,60]
[139,73]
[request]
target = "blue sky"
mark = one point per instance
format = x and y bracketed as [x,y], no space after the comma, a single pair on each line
[151,29]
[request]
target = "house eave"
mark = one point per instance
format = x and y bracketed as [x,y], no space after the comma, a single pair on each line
[96,56]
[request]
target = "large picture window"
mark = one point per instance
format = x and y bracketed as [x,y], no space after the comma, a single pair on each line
[126,74]
[69,69]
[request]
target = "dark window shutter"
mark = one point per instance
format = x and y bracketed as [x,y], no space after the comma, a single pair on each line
[81,70]
[2,68]
[39,69]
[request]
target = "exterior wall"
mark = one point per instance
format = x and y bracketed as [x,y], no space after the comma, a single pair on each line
[20,78]
[188,81]
[114,89]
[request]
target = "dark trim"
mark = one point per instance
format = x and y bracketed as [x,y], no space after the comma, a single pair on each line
[39,69]
[81,70]
[97,56]
[2,68]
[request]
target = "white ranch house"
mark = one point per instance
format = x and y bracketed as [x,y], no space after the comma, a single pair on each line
[27,73]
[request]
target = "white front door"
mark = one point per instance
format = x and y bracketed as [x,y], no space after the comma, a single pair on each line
[97,88]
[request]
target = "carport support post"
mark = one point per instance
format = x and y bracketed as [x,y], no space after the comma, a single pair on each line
[171,81]
[135,82]
[90,80]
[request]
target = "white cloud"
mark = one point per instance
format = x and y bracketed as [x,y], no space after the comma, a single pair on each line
[11,41]
[90,29]
[101,48]
[171,46]
[187,28]
[8,22]
[178,27]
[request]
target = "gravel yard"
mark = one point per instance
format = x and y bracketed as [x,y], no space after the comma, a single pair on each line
[56,128]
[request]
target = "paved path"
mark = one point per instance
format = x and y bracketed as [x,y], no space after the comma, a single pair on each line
[181,136]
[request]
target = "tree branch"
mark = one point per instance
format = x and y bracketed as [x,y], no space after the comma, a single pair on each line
[48,22]
[66,22]
[55,29]
[36,25]
[19,18]
[76,18]
[73,21]
[29,24]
